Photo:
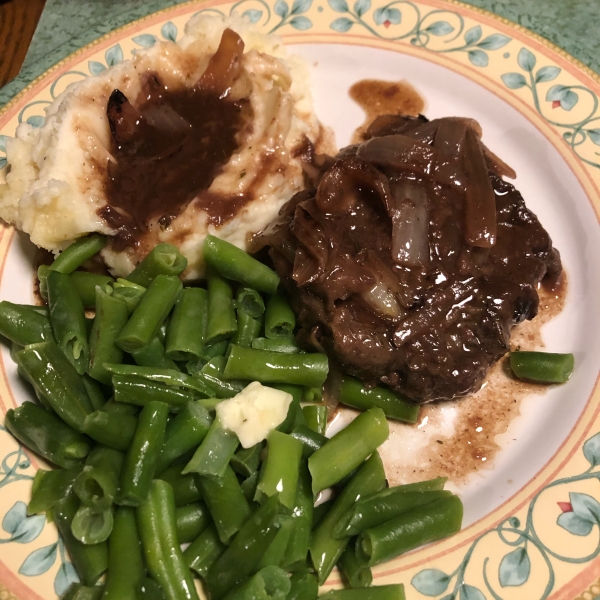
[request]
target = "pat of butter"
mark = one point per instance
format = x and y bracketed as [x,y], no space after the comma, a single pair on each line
[254,412]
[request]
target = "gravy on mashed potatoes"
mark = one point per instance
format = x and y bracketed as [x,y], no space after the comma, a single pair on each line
[185,139]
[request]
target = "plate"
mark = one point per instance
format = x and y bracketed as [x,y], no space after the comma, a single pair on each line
[532,517]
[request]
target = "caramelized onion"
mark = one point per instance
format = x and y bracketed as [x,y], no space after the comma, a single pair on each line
[383,301]
[224,65]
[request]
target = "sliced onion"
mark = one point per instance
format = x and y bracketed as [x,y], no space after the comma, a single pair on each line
[224,64]
[410,224]
[382,300]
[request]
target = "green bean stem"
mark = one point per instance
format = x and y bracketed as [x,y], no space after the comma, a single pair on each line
[142,456]
[163,259]
[221,323]
[50,487]
[85,284]
[111,429]
[280,320]
[184,433]
[214,453]
[24,325]
[543,367]
[125,560]
[280,471]
[274,367]
[111,317]
[45,434]
[352,393]
[417,527]
[149,314]
[187,328]
[226,503]
[55,379]
[191,521]
[346,450]
[235,264]
[325,551]
[245,551]
[91,561]
[158,532]
[204,551]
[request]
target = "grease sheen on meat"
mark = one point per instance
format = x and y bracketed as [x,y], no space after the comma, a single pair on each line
[412,258]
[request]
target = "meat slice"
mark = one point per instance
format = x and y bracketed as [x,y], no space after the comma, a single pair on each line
[411,273]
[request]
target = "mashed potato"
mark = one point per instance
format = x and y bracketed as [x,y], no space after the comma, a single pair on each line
[56,185]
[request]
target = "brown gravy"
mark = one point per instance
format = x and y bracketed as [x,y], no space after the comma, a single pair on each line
[168,147]
[377,97]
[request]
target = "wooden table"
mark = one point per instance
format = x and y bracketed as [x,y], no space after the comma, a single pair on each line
[18,20]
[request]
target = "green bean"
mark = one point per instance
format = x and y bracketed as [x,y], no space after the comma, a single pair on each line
[67,317]
[74,255]
[120,408]
[186,488]
[249,301]
[91,561]
[154,355]
[296,550]
[248,328]
[235,264]
[111,429]
[49,487]
[148,589]
[320,511]
[142,456]
[304,586]
[543,367]
[149,314]
[325,551]
[96,485]
[23,325]
[191,521]
[128,292]
[213,350]
[40,310]
[90,526]
[274,367]
[280,320]
[158,533]
[214,453]
[45,434]
[187,328]
[169,377]
[270,583]
[247,460]
[249,486]
[355,575]
[111,317]
[346,450]
[352,393]
[163,259]
[95,392]
[210,404]
[226,503]
[294,416]
[125,560]
[85,284]
[77,591]
[378,592]
[184,433]
[273,555]
[381,507]
[280,472]
[204,551]
[221,322]
[140,391]
[212,374]
[245,551]
[55,379]
[417,527]
[316,418]
[285,345]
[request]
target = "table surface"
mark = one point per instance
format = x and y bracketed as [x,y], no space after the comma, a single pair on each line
[67,25]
